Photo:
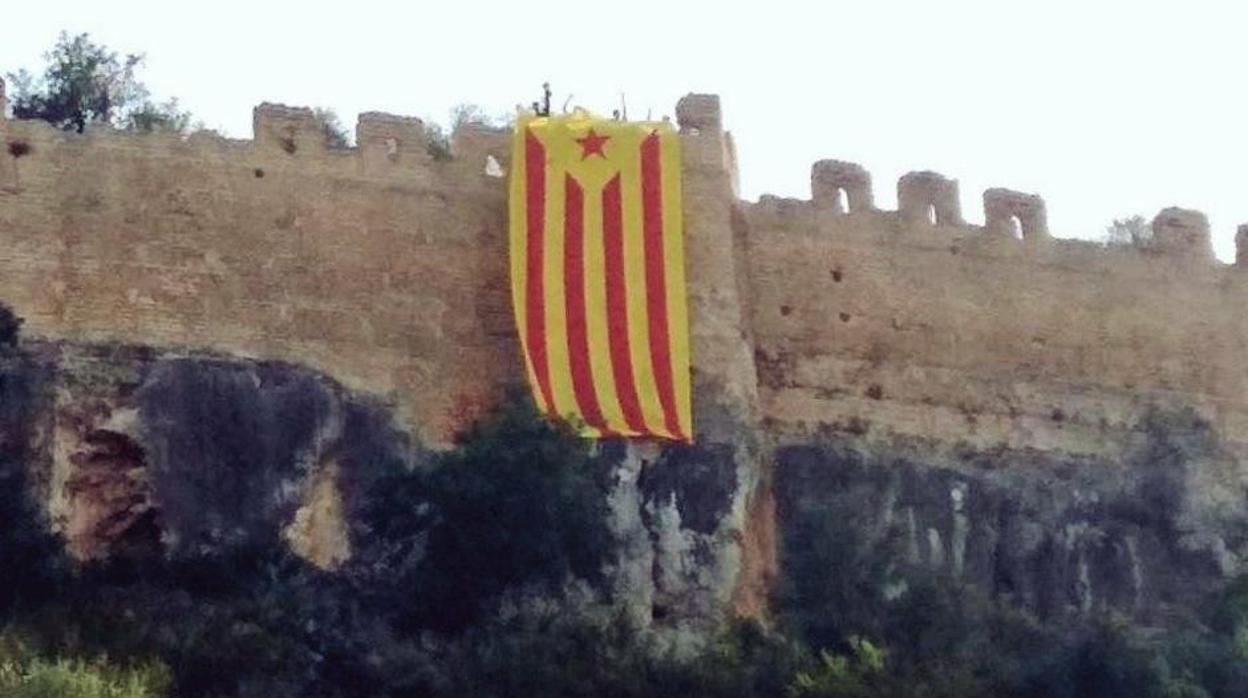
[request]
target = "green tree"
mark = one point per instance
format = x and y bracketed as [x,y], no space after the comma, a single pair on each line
[87,83]
[165,116]
[1132,231]
[336,135]
[519,502]
[439,137]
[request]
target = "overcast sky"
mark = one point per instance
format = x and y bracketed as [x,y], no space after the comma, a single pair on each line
[1105,108]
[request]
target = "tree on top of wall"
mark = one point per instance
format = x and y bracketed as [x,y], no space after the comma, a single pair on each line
[462,115]
[1132,231]
[85,83]
[336,135]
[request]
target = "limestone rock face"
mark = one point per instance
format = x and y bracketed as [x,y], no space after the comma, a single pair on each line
[135,453]
[139,454]
[1145,535]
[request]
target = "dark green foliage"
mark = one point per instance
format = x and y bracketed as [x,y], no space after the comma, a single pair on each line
[149,116]
[336,135]
[859,675]
[86,83]
[29,556]
[1132,231]
[10,325]
[571,654]
[519,502]
[438,137]
[23,675]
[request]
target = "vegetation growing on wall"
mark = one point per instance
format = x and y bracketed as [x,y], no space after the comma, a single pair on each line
[10,324]
[85,83]
[336,135]
[1132,231]
[462,115]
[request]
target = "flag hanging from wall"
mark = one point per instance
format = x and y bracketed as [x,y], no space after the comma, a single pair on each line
[598,273]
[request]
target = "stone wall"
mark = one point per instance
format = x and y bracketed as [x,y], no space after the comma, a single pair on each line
[914,324]
[387,269]
[377,264]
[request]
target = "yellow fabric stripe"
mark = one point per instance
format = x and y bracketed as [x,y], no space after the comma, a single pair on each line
[519,248]
[596,309]
[674,259]
[635,280]
[556,320]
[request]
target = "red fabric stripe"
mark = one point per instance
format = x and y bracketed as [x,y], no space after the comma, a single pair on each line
[574,300]
[617,306]
[656,282]
[535,283]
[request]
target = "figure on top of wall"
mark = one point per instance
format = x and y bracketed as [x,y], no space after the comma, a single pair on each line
[543,108]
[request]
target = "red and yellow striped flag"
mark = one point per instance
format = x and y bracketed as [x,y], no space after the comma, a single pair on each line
[598,273]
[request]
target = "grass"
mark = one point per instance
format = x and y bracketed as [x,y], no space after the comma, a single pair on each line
[75,678]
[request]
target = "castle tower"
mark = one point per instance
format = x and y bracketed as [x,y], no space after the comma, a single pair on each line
[725,383]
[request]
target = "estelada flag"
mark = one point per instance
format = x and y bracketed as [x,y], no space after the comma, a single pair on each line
[598,273]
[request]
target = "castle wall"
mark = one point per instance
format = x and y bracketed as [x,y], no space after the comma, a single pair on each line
[378,264]
[387,269]
[914,324]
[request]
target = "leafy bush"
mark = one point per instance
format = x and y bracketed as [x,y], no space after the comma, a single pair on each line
[336,135]
[438,137]
[838,676]
[596,652]
[519,501]
[10,324]
[1132,231]
[25,676]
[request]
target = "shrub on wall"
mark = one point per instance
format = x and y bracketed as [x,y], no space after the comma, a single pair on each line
[10,325]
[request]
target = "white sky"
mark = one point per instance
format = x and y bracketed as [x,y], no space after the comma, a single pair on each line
[1105,108]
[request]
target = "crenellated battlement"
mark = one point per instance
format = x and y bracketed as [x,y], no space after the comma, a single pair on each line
[284,137]
[1184,233]
[929,197]
[917,323]
[386,140]
[932,200]
[390,144]
[1015,214]
[841,187]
